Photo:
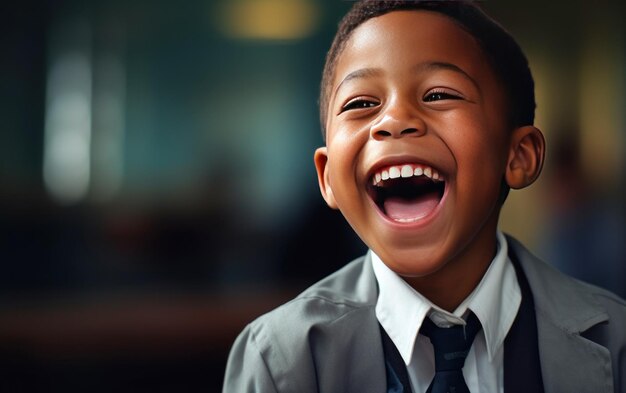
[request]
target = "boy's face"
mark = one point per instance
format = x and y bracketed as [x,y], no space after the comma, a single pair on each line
[414,93]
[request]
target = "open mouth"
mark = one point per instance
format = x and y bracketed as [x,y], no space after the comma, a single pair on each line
[406,193]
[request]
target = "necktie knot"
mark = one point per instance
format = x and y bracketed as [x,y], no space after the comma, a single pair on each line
[451,346]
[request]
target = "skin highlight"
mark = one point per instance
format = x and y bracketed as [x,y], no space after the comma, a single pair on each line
[413,87]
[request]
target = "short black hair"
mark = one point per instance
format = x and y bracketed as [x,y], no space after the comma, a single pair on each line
[504,54]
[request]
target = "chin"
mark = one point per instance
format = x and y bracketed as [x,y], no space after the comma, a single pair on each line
[414,261]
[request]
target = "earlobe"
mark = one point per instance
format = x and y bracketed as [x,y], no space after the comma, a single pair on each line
[323,176]
[526,155]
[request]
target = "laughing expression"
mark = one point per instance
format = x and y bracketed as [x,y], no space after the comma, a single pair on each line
[417,142]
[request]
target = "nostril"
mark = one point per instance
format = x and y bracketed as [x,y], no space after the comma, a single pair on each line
[409,131]
[383,133]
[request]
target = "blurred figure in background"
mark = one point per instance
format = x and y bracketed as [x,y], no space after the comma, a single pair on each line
[584,235]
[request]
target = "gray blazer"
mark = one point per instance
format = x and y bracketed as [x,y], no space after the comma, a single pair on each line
[328,338]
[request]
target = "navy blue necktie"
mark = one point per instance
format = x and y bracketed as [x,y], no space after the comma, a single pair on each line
[451,347]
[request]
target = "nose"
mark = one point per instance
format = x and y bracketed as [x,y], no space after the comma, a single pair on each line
[397,121]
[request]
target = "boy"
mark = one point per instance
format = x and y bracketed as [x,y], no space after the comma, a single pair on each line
[428,112]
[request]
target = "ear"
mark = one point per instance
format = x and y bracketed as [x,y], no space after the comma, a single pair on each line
[526,154]
[323,176]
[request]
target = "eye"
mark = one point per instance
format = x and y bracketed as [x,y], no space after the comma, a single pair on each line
[359,103]
[437,95]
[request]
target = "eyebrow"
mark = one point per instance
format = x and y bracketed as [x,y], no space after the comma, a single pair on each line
[360,73]
[440,65]
[427,66]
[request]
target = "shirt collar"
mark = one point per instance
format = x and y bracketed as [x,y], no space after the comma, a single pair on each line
[401,310]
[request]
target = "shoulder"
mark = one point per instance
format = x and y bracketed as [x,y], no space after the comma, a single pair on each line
[573,305]
[553,286]
[577,323]
[344,296]
[286,345]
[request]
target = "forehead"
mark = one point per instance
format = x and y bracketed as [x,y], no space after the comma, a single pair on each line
[405,38]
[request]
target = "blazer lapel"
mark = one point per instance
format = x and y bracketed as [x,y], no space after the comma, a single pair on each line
[569,362]
[362,367]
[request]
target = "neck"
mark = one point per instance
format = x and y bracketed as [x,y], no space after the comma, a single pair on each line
[455,281]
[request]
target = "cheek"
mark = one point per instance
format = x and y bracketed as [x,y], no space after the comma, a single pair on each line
[344,152]
[478,143]
[345,146]
[345,134]
[340,163]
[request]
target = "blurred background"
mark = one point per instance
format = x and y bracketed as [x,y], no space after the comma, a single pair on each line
[157,189]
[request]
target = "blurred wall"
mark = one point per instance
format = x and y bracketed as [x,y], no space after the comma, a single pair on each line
[157,189]
[574,215]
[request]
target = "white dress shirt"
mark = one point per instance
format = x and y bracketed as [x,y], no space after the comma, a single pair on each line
[400,310]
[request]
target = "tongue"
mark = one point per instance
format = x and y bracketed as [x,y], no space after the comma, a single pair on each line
[408,210]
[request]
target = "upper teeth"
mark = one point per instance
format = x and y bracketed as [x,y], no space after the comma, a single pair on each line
[406,170]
